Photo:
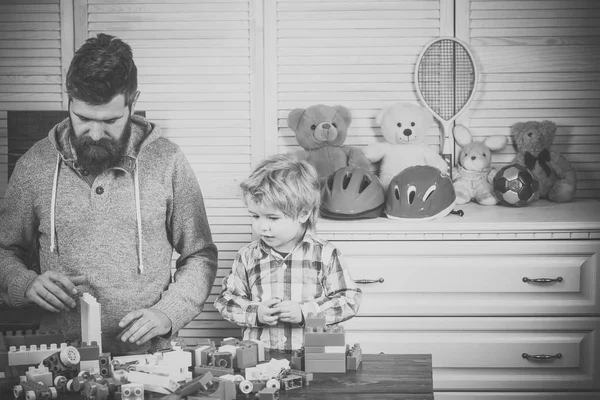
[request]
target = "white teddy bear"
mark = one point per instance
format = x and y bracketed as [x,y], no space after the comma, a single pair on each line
[404,127]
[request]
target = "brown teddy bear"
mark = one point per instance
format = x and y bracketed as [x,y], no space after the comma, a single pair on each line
[321,131]
[556,176]
[474,174]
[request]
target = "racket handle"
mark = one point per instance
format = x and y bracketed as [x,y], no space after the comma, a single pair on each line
[447,156]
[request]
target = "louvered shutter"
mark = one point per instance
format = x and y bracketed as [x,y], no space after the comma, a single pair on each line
[193,60]
[538,60]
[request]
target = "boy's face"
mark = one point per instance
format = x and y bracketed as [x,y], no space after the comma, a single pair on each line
[277,230]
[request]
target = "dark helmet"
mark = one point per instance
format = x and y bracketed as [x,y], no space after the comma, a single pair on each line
[352,193]
[420,192]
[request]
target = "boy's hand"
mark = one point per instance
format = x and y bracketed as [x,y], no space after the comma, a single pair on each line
[266,313]
[289,311]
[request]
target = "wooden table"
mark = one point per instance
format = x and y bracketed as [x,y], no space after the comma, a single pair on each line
[382,376]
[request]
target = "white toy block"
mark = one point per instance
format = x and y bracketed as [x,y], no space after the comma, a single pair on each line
[335,349]
[41,374]
[261,349]
[91,366]
[90,320]
[132,391]
[228,349]
[176,358]
[153,380]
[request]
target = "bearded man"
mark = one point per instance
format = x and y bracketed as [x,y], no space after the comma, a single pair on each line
[107,200]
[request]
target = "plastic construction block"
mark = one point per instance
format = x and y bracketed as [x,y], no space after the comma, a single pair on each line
[132,391]
[314,321]
[34,391]
[329,337]
[325,366]
[307,377]
[229,341]
[268,394]
[14,338]
[40,374]
[206,354]
[43,337]
[153,380]
[94,391]
[222,359]
[291,382]
[87,352]
[297,360]
[32,355]
[261,349]
[246,355]
[63,362]
[216,371]
[104,364]
[325,356]
[176,357]
[354,357]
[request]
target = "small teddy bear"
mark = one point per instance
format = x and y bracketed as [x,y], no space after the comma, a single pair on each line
[474,174]
[404,127]
[321,131]
[557,178]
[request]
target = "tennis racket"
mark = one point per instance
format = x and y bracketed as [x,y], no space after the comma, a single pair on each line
[446,78]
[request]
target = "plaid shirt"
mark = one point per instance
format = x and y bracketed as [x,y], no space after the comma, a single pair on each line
[312,275]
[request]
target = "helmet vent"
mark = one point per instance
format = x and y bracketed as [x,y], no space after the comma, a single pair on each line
[330,182]
[346,180]
[429,192]
[411,193]
[396,193]
[364,184]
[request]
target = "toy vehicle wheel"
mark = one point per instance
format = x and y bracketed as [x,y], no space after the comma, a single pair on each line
[30,395]
[246,387]
[18,391]
[53,392]
[273,384]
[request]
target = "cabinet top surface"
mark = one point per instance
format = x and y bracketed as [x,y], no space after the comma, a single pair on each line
[541,216]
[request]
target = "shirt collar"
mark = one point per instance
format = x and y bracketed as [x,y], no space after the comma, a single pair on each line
[307,240]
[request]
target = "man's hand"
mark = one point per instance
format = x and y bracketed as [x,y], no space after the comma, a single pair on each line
[53,291]
[266,312]
[142,325]
[289,311]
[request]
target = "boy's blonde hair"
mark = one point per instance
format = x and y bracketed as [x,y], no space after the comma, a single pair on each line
[289,185]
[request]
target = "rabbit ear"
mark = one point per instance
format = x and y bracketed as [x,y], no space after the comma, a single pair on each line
[496,143]
[294,118]
[462,135]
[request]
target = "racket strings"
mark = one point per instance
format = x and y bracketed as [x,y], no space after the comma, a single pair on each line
[446,77]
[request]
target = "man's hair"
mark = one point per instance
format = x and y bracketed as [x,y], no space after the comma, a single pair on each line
[101,69]
[289,185]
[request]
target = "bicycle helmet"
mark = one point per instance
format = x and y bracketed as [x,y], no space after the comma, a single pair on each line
[352,193]
[420,192]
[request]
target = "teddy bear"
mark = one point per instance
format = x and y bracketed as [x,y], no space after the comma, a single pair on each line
[473,175]
[321,131]
[557,178]
[404,127]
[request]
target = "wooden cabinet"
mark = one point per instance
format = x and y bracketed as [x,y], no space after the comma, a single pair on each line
[507,300]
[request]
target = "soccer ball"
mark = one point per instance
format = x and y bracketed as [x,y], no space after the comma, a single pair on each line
[515,186]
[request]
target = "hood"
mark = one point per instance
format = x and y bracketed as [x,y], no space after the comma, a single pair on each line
[143,132]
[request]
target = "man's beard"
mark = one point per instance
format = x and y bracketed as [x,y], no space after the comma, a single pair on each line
[98,156]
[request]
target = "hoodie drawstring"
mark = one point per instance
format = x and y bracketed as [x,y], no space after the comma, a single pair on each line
[138,213]
[53,204]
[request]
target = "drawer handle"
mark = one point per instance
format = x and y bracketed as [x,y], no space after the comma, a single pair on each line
[542,280]
[363,281]
[541,357]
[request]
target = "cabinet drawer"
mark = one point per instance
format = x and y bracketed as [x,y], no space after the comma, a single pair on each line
[476,278]
[487,353]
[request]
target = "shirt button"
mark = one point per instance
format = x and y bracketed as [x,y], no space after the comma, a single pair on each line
[99,190]
[85,172]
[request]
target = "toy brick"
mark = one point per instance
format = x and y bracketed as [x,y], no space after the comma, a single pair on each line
[14,338]
[261,349]
[306,376]
[314,349]
[225,390]
[325,366]
[216,371]
[354,358]
[313,320]
[268,394]
[151,380]
[246,355]
[90,366]
[104,364]
[40,374]
[95,391]
[34,390]
[230,341]
[222,359]
[325,356]
[206,355]
[291,382]
[90,320]
[329,338]
[132,391]
[43,337]
[176,357]
[88,352]
[297,360]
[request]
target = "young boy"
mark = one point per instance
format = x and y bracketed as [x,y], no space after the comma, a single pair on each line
[288,272]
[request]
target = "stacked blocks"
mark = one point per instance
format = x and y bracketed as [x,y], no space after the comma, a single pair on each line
[40,374]
[324,347]
[246,355]
[104,363]
[34,391]
[63,362]
[354,357]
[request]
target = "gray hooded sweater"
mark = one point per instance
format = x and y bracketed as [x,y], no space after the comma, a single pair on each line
[119,230]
